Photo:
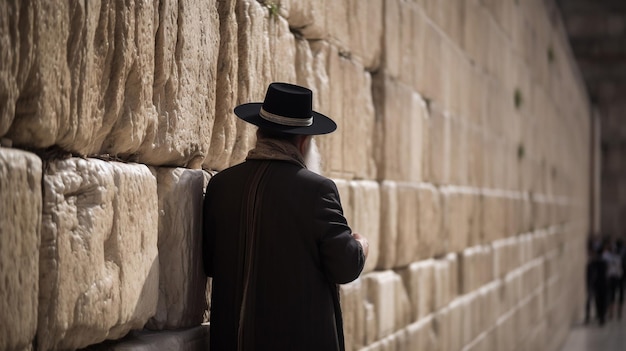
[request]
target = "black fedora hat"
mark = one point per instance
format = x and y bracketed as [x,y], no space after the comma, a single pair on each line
[287,108]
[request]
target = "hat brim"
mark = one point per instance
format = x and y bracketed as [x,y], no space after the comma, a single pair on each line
[250,113]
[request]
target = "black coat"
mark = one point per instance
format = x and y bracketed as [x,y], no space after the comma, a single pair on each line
[275,238]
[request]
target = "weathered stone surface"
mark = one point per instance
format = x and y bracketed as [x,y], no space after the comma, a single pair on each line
[404,36]
[439,146]
[99,267]
[432,239]
[307,17]
[354,26]
[20,224]
[365,200]
[191,339]
[349,150]
[39,111]
[352,297]
[226,124]
[459,172]
[181,276]
[16,57]
[418,279]
[476,38]
[421,336]
[388,224]
[386,292]
[365,26]
[506,256]
[118,93]
[407,244]
[444,281]
[457,217]
[184,93]
[493,216]
[489,304]
[476,268]
[401,118]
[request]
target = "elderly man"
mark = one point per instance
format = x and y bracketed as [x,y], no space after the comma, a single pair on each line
[275,240]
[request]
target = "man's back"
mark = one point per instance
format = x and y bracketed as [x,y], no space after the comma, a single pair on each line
[276,245]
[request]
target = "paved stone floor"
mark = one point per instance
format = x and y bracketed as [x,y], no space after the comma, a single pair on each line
[591,337]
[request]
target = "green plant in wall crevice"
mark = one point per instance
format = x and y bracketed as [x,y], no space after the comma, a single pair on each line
[273,8]
[518,99]
[520,151]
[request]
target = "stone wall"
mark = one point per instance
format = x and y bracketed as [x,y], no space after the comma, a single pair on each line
[462,154]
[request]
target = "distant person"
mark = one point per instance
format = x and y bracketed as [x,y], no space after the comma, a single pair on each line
[596,279]
[614,275]
[621,252]
[276,241]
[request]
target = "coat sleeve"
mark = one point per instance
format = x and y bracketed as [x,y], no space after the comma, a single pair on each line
[341,255]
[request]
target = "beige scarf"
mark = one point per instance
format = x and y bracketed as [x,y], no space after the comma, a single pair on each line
[272,149]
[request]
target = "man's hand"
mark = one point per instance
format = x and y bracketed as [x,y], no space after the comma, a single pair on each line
[364,243]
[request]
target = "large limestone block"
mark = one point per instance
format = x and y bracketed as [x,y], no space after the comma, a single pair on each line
[513,291]
[181,276]
[533,277]
[443,328]
[191,339]
[459,172]
[388,296]
[407,244]
[356,26]
[475,203]
[432,240]
[129,87]
[388,224]
[365,26]
[306,17]
[493,216]
[37,110]
[421,336]
[418,279]
[458,313]
[439,147]
[349,151]
[20,225]
[489,302]
[185,84]
[353,310]
[433,75]
[506,256]
[16,53]
[226,130]
[469,270]
[472,322]
[506,333]
[476,36]
[476,267]
[365,200]
[445,276]
[457,217]
[99,268]
[401,116]
[264,52]
[403,37]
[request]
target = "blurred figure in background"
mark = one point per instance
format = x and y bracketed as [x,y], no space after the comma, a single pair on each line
[596,278]
[621,252]
[614,275]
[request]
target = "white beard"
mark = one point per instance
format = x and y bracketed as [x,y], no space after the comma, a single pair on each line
[312,157]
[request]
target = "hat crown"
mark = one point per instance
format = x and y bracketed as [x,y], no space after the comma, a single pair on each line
[289,101]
